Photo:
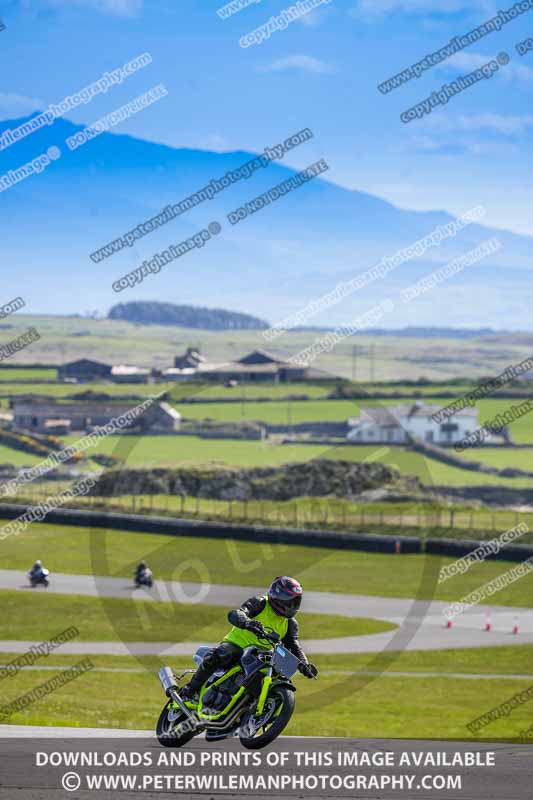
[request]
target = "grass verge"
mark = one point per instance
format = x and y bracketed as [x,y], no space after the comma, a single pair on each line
[336,705]
[39,617]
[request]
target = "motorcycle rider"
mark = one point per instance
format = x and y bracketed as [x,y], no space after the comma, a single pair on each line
[142,571]
[276,610]
[36,571]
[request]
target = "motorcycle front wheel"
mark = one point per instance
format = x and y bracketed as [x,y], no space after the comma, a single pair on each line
[167,723]
[279,708]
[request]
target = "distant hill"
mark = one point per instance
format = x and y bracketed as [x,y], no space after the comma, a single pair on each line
[272,264]
[210,319]
[419,332]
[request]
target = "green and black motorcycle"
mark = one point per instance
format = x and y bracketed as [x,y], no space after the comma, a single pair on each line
[253,700]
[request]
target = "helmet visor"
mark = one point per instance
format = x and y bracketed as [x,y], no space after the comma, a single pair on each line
[285,604]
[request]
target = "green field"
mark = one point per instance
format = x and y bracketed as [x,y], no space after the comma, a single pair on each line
[17,457]
[11,375]
[274,412]
[60,391]
[172,451]
[186,558]
[250,391]
[169,451]
[29,616]
[341,703]
[501,457]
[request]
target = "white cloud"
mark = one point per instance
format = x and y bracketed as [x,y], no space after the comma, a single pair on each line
[462,146]
[468,62]
[16,105]
[314,18]
[216,143]
[299,62]
[506,124]
[378,8]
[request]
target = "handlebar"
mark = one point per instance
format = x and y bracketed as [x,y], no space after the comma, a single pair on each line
[270,635]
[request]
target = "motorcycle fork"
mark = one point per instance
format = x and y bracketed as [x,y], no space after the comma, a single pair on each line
[267,682]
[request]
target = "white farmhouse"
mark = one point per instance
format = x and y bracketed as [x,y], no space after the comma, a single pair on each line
[398,424]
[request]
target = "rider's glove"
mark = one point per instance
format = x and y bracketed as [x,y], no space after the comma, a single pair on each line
[255,627]
[309,670]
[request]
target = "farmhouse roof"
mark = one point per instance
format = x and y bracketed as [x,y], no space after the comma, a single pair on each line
[392,415]
[86,362]
[259,357]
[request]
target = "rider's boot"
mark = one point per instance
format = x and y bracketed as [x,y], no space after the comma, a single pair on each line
[188,692]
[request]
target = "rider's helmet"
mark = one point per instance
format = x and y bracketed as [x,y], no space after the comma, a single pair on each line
[142,565]
[38,564]
[285,596]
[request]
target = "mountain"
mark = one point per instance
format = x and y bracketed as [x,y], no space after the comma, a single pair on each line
[269,265]
[209,319]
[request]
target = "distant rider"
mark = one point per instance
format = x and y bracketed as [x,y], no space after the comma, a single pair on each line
[275,610]
[36,571]
[143,571]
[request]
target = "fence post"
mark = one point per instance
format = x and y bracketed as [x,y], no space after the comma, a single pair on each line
[452,513]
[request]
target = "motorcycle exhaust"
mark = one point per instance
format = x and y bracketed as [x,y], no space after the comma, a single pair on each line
[168,682]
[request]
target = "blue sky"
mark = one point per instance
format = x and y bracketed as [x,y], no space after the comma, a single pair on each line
[321,72]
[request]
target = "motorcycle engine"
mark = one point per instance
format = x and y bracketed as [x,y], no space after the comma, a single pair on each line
[214,700]
[217,698]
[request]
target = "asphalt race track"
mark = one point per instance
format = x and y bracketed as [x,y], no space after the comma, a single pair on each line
[20,779]
[421,623]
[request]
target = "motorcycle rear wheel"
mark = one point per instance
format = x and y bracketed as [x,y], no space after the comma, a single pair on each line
[166,726]
[284,698]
